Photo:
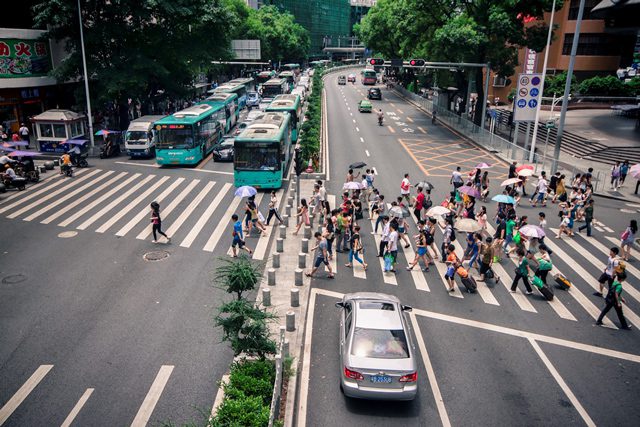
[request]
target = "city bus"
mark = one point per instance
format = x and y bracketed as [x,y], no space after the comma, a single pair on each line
[247,83]
[290,103]
[227,102]
[291,78]
[262,152]
[292,67]
[188,136]
[264,76]
[238,89]
[369,77]
[274,87]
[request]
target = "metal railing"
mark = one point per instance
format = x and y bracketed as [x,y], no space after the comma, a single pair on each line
[274,412]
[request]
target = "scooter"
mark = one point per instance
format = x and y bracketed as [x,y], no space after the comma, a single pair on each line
[67,170]
[80,160]
[109,150]
[19,182]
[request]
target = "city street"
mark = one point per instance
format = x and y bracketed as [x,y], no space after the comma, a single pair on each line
[92,329]
[486,358]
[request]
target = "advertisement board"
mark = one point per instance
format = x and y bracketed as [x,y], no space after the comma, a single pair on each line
[24,58]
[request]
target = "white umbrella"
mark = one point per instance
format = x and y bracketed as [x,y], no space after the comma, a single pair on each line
[510,181]
[399,212]
[438,210]
[525,172]
[467,225]
[245,191]
[531,230]
[353,186]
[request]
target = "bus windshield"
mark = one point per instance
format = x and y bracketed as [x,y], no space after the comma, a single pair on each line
[271,90]
[176,138]
[135,135]
[257,158]
[262,79]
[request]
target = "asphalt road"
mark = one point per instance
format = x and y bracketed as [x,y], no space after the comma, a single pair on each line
[87,322]
[495,357]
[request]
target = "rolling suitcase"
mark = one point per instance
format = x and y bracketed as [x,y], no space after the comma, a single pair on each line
[470,283]
[562,282]
[545,290]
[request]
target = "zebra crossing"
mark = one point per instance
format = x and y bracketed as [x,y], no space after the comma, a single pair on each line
[580,259]
[196,213]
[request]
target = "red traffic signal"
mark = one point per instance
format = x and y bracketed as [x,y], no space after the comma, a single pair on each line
[376,61]
[416,62]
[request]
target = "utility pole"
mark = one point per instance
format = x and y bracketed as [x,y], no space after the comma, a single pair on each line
[567,89]
[486,96]
[86,78]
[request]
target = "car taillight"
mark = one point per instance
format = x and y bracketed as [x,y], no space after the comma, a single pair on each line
[353,374]
[409,378]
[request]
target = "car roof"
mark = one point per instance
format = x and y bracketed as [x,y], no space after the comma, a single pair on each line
[365,102]
[369,316]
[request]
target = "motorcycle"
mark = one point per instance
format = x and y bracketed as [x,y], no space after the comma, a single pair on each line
[80,160]
[19,182]
[67,170]
[109,150]
[27,170]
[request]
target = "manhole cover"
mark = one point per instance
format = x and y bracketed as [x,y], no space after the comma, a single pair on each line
[67,234]
[13,279]
[156,255]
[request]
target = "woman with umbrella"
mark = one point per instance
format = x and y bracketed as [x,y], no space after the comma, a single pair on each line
[484,183]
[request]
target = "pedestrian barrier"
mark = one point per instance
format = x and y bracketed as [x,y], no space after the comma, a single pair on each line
[280,245]
[283,231]
[298,277]
[295,297]
[302,260]
[266,297]
[275,260]
[271,277]
[285,220]
[307,232]
[305,246]
[291,321]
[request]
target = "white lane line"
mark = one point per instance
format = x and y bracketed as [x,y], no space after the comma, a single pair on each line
[189,209]
[22,393]
[392,130]
[375,172]
[409,119]
[600,229]
[261,247]
[34,187]
[599,223]
[99,200]
[76,409]
[361,139]
[183,169]
[348,108]
[367,153]
[421,129]
[399,111]
[114,203]
[123,211]
[389,278]
[150,401]
[217,232]
[351,114]
[358,269]
[563,385]
[165,212]
[507,331]
[431,373]
[392,104]
[418,277]
[52,194]
[145,211]
[68,207]
[35,194]
[257,201]
[357,129]
[149,165]
[354,120]
[67,196]
[482,289]
[205,216]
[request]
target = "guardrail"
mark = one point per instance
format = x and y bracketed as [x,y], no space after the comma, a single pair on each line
[274,412]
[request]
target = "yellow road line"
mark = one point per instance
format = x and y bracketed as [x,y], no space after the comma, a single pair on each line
[422,168]
[421,129]
[392,130]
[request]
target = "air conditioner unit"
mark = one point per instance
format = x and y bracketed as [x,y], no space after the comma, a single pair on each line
[499,81]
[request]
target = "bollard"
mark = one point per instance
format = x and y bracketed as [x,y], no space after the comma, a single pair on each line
[279,245]
[285,220]
[292,193]
[285,348]
[307,232]
[295,297]
[302,260]
[298,277]
[275,260]
[283,231]
[290,200]
[287,210]
[42,169]
[266,297]
[311,218]
[305,246]
[291,321]
[271,277]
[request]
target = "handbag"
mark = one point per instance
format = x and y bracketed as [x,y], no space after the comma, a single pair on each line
[388,261]
[625,234]
[428,203]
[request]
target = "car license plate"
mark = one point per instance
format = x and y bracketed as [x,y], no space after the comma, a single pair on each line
[380,379]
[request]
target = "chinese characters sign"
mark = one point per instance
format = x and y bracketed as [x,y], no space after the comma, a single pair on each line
[24,58]
[527,97]
[530,60]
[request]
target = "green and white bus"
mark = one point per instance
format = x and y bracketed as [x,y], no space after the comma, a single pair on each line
[240,87]
[292,67]
[264,76]
[272,88]
[262,151]
[291,77]
[188,136]
[289,103]
[227,102]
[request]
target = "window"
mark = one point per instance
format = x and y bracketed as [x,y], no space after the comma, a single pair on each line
[46,131]
[586,14]
[592,44]
[380,343]
[257,158]
[499,81]
[59,131]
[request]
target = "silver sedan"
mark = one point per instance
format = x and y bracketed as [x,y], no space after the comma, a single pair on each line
[377,355]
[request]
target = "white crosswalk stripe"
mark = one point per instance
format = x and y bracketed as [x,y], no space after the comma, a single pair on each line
[219,230]
[205,216]
[177,223]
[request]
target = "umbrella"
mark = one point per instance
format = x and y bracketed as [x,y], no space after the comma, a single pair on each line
[399,212]
[483,166]
[503,198]
[467,225]
[353,185]
[525,172]
[18,153]
[18,143]
[523,167]
[245,191]
[6,145]
[530,230]
[357,165]
[511,181]
[425,185]
[105,132]
[438,210]
[469,191]
[74,141]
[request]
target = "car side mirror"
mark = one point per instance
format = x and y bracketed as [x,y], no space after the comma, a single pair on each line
[340,304]
[406,308]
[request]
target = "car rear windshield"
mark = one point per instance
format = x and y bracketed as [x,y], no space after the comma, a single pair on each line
[380,343]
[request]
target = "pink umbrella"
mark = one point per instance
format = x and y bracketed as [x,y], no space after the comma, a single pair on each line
[530,230]
[469,191]
[18,153]
[510,181]
[483,166]
[522,167]
[635,171]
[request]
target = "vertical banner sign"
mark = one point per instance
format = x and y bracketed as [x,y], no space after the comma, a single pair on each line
[530,61]
[527,97]
[24,58]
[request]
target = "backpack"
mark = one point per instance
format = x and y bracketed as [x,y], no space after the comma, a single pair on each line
[453,235]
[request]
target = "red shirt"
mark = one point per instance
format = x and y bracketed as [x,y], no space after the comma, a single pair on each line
[419,201]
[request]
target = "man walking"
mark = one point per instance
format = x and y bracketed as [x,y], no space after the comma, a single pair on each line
[456,178]
[614,299]
[238,237]
[322,255]
[541,191]
[24,133]
[417,207]
[609,271]
[588,218]
[405,189]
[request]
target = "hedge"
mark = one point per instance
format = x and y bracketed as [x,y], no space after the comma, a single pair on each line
[310,135]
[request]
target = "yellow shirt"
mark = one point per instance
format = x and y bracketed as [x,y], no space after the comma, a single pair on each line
[66,159]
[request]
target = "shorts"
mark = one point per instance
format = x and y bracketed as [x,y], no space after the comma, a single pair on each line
[320,260]
[484,267]
[422,251]
[604,277]
[254,220]
[450,272]
[541,197]
[237,241]
[401,230]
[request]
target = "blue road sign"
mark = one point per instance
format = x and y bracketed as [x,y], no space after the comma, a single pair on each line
[522,103]
[534,92]
[533,103]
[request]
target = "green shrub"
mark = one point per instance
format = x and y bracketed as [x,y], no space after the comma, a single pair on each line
[603,86]
[246,411]
[633,86]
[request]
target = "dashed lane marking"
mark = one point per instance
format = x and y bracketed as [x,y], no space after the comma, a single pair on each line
[421,129]
[76,409]
[361,139]
[150,401]
[392,130]
[23,392]
[357,129]
[367,153]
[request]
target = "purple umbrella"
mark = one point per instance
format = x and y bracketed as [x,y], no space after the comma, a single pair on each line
[470,191]
[105,132]
[74,141]
[18,143]
[18,153]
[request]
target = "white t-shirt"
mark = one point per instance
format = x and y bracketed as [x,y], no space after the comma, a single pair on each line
[456,176]
[612,263]
[543,224]
[4,160]
[323,194]
[393,241]
[542,186]
[23,131]
[405,186]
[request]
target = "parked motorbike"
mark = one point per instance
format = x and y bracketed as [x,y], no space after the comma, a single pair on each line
[19,182]
[80,160]
[27,170]
[109,150]
[67,170]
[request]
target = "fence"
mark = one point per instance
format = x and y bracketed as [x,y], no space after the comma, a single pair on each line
[503,148]
[274,413]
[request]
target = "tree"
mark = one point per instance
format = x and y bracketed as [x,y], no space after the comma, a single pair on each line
[237,276]
[554,85]
[136,47]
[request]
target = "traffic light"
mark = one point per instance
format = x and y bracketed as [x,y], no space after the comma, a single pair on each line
[416,62]
[298,162]
[376,61]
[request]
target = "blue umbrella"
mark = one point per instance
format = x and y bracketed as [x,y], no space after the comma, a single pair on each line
[246,191]
[18,153]
[19,143]
[503,198]
[74,141]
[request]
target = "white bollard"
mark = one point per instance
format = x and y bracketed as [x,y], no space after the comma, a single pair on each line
[298,276]
[307,232]
[279,245]
[291,321]
[275,260]
[305,246]
[285,220]
[271,277]
[283,231]
[302,260]
[266,297]
[295,297]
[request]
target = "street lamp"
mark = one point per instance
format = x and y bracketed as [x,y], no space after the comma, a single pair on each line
[86,78]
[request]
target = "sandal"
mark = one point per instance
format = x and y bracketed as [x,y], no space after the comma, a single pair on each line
[307,274]
[331,276]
